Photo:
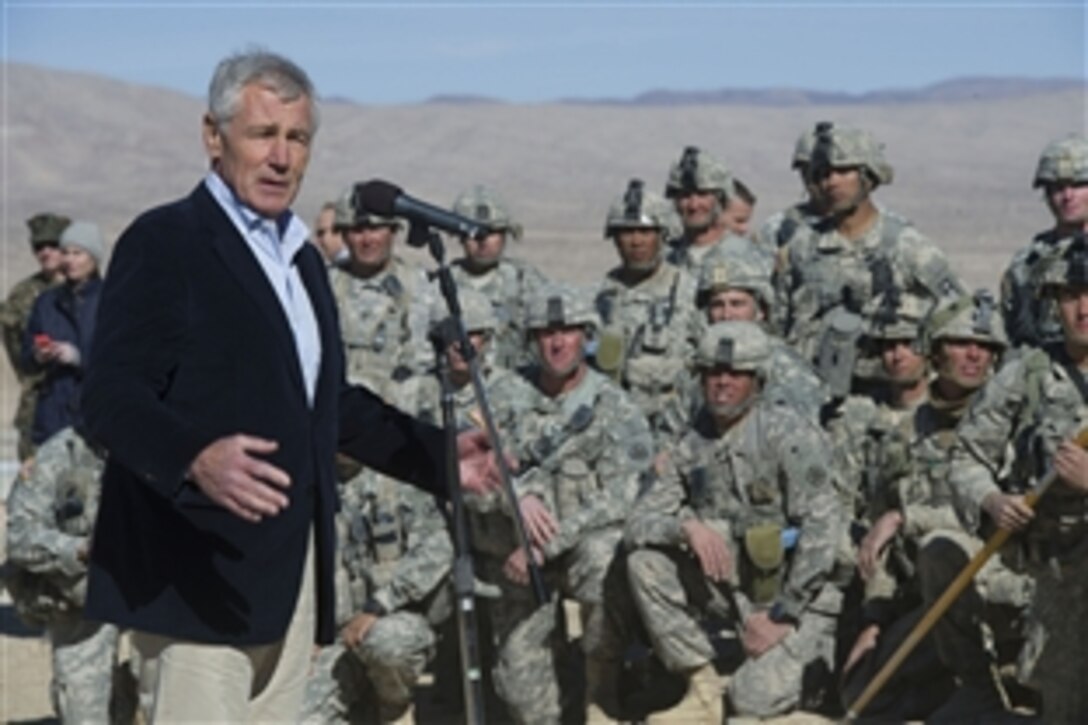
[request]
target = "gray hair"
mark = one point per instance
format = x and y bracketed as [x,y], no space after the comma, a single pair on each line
[256,65]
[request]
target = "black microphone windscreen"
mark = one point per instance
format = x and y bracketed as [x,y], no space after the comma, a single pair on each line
[376,197]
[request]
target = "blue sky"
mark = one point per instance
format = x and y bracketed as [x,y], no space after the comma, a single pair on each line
[382,52]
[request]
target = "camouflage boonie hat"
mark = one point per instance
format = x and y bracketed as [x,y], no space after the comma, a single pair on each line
[896,315]
[698,171]
[802,149]
[735,269]
[482,205]
[559,306]
[838,147]
[737,344]
[346,216]
[638,209]
[46,228]
[477,312]
[971,317]
[1063,160]
[1068,267]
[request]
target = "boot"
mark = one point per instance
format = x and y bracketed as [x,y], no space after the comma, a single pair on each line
[602,692]
[701,704]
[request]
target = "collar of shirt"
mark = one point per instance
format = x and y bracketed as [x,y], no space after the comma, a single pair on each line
[281,238]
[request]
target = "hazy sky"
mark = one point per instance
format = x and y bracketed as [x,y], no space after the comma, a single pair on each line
[402,52]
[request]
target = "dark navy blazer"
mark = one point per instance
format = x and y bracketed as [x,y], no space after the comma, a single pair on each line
[192,344]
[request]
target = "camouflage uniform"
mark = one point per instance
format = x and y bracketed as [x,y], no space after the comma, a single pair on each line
[1030,317]
[781,227]
[931,547]
[508,284]
[1006,442]
[50,516]
[384,318]
[696,170]
[765,477]
[393,562]
[790,378]
[583,454]
[649,327]
[14,314]
[824,279]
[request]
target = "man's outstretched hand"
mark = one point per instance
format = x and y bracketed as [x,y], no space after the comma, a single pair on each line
[478,466]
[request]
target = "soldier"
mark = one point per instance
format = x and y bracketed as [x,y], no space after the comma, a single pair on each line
[740,204]
[737,286]
[782,226]
[45,231]
[649,324]
[699,186]
[51,512]
[583,450]
[328,238]
[506,281]
[827,275]
[1021,425]
[743,524]
[385,304]
[1062,172]
[916,545]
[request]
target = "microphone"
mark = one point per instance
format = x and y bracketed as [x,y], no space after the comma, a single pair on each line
[385,199]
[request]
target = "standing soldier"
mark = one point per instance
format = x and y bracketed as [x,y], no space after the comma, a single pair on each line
[781,227]
[584,449]
[743,524]
[45,231]
[384,302]
[1062,172]
[736,285]
[699,186]
[328,238]
[1021,426]
[506,281]
[827,275]
[50,517]
[649,325]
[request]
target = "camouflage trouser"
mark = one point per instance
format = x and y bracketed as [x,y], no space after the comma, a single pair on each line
[524,675]
[388,662]
[1056,658]
[670,591]
[24,420]
[83,658]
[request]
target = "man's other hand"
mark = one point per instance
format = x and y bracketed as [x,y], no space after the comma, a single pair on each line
[247,486]
[710,549]
[478,466]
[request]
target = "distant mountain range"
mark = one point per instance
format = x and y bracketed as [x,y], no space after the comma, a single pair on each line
[953,90]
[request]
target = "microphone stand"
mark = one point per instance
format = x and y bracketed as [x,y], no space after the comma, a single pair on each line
[464,578]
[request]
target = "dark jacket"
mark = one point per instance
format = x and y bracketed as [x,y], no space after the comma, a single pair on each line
[193,345]
[65,314]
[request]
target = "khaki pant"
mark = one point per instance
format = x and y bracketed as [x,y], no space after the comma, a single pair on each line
[183,681]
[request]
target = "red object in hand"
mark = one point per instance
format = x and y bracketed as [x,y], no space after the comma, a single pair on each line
[42,340]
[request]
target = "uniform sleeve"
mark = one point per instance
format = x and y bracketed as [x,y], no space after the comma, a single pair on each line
[34,540]
[930,266]
[660,510]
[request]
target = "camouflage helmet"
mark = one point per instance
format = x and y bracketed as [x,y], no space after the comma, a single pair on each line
[802,149]
[838,147]
[1069,266]
[737,344]
[638,209]
[742,269]
[482,205]
[347,216]
[896,315]
[971,317]
[477,312]
[696,170]
[46,228]
[1063,160]
[556,305]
